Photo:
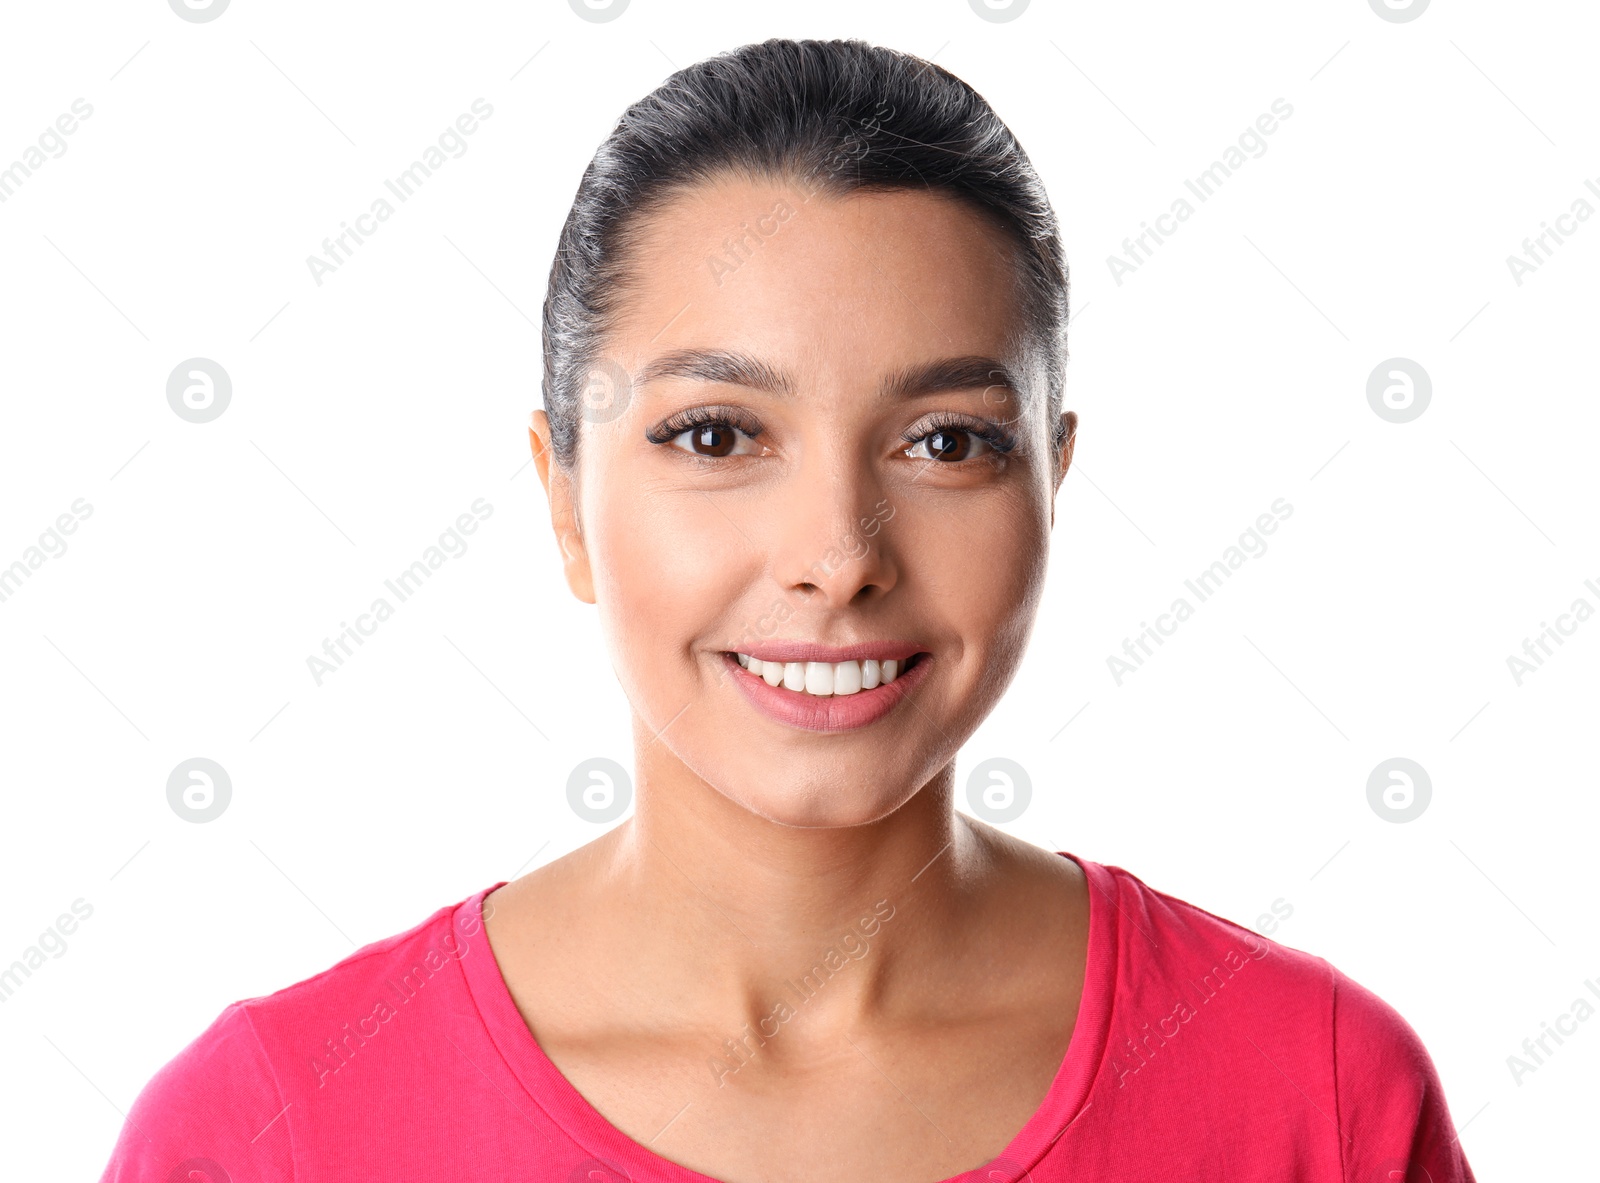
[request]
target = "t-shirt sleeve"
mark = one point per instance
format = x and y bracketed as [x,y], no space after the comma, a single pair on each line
[212,1114]
[1392,1110]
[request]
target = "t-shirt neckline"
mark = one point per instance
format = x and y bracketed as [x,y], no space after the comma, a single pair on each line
[571,1112]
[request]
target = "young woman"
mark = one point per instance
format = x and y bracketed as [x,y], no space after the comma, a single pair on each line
[803,351]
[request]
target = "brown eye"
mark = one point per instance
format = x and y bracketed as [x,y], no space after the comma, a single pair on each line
[947,444]
[713,440]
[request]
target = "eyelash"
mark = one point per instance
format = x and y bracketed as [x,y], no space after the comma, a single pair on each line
[670,429]
[996,437]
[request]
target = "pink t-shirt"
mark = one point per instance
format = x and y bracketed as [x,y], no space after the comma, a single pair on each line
[1201,1051]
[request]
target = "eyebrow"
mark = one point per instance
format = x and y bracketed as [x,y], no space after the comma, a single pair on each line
[968,372]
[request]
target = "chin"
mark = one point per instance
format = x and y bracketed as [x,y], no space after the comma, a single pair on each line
[821,807]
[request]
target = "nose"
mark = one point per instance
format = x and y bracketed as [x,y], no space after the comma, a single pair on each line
[832,538]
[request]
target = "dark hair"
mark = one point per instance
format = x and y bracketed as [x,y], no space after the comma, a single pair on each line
[841,115]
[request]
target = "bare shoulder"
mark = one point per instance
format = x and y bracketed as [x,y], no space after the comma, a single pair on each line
[543,897]
[541,927]
[1037,915]
[1033,875]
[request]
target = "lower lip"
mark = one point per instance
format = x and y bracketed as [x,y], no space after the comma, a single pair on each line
[836,712]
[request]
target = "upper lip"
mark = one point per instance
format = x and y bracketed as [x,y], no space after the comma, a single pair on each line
[787,651]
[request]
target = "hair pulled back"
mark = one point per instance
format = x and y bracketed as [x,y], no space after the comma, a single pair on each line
[841,116]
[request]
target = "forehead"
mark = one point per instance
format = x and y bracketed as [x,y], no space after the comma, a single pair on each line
[855,285]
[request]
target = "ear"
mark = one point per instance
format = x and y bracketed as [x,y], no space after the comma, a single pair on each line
[1069,420]
[561,492]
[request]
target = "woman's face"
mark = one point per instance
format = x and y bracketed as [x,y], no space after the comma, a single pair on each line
[828,431]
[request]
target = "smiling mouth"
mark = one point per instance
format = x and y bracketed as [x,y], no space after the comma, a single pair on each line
[826,679]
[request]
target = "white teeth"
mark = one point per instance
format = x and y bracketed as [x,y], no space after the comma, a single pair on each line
[846,677]
[823,678]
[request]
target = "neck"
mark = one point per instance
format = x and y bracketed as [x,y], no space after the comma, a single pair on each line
[731,914]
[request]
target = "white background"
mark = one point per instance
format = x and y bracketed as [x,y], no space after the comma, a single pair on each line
[368,412]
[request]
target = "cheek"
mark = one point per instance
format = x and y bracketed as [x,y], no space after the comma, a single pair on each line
[981,558]
[664,567]
[981,571]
